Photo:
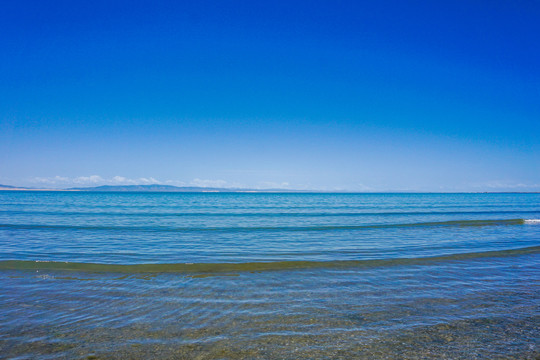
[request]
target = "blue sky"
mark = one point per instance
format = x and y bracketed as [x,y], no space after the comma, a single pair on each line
[325,95]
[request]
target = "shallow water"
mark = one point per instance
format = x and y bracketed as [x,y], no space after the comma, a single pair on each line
[214,276]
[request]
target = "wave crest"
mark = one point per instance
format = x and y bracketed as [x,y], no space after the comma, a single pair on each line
[251,266]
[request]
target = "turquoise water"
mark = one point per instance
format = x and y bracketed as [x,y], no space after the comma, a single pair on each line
[214,275]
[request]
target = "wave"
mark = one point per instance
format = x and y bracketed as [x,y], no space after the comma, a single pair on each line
[261,214]
[457,223]
[252,266]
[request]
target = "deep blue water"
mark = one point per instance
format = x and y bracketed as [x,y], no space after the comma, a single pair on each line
[246,275]
[130,228]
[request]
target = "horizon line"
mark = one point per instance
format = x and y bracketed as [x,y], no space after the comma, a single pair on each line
[201,189]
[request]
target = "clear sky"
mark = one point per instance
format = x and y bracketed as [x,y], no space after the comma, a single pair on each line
[327,95]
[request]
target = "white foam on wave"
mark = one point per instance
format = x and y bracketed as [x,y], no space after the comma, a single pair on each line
[532,221]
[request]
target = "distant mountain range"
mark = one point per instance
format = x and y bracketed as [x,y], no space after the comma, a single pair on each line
[149,188]
[9,187]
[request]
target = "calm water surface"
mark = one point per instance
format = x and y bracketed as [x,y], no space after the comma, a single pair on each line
[270,276]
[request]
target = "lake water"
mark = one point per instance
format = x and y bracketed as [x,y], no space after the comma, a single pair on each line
[269,276]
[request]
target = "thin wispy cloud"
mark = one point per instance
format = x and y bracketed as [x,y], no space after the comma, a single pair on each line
[50,180]
[219,183]
[509,185]
[92,180]
[273,185]
[208,183]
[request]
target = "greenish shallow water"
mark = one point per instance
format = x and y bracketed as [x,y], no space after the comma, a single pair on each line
[269,276]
